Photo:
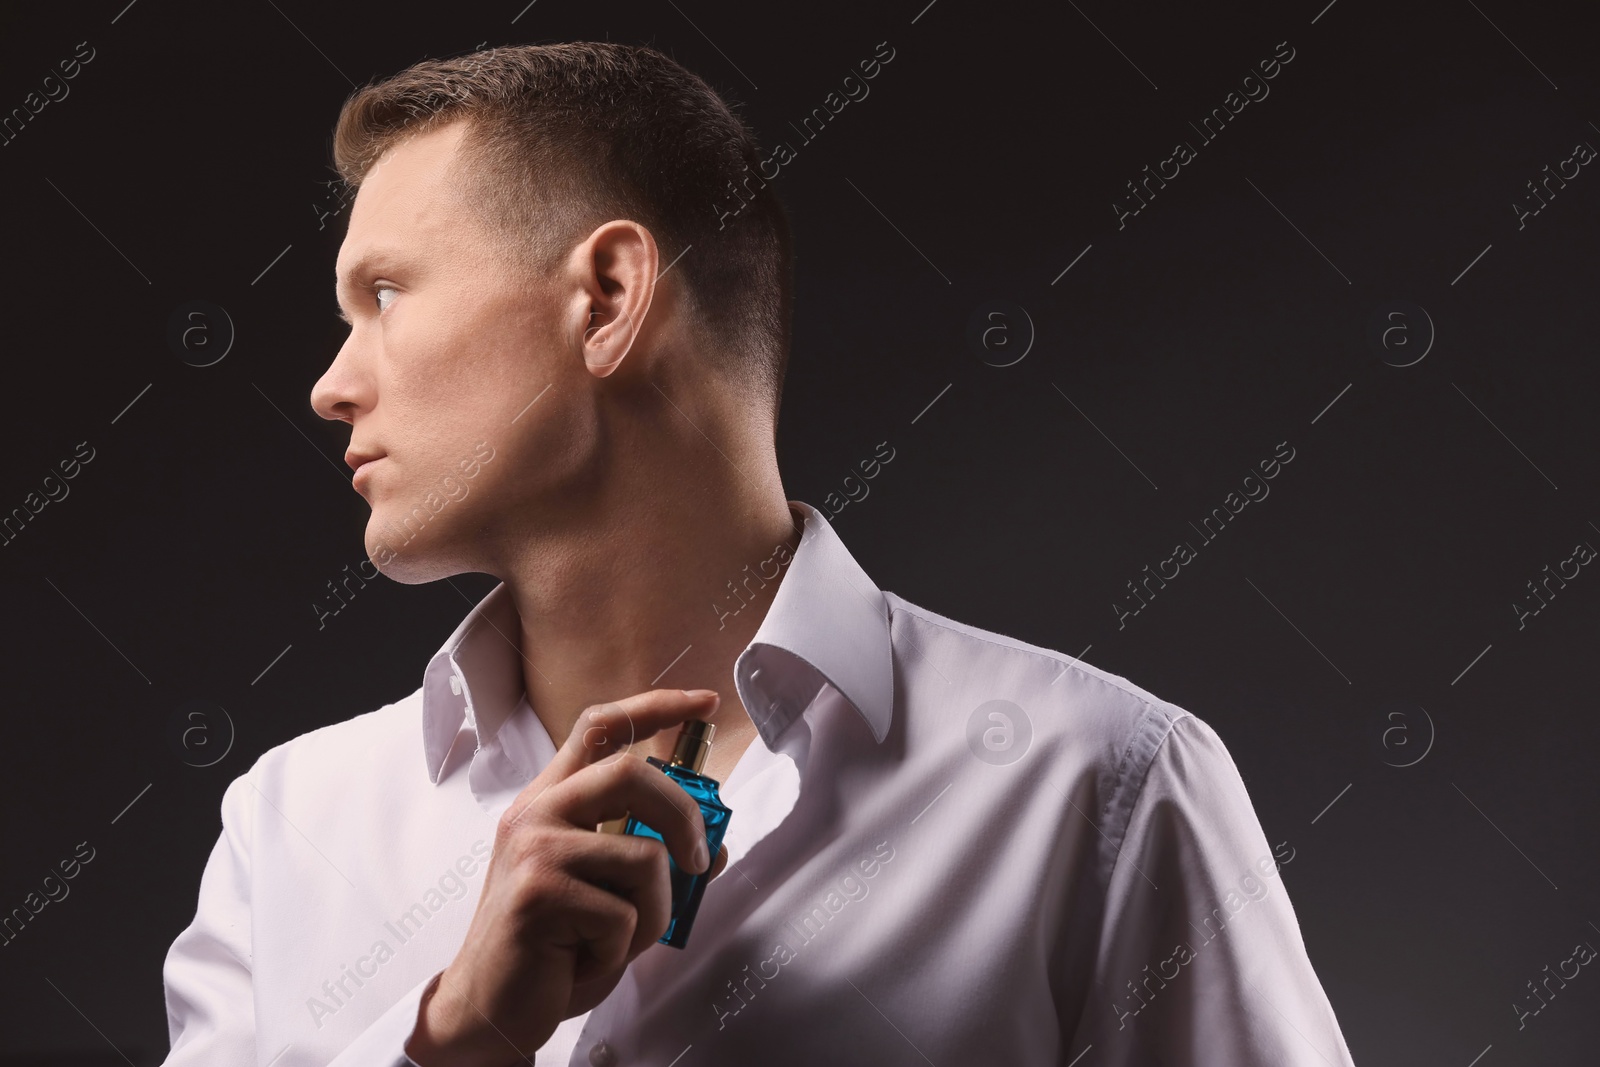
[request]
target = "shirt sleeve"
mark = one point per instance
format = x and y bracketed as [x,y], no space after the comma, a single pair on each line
[210,1011]
[383,1043]
[207,975]
[1200,958]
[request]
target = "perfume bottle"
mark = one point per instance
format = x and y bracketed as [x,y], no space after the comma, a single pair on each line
[688,756]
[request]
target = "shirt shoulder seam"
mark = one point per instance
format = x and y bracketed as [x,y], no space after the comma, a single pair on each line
[1126,793]
[1014,644]
[1152,727]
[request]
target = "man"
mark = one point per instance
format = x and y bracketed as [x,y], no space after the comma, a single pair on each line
[569,309]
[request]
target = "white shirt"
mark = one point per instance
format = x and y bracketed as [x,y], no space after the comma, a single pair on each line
[947,846]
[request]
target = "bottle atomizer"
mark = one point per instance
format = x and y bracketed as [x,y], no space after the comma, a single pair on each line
[688,756]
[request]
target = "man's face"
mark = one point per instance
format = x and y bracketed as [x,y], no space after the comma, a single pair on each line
[447,351]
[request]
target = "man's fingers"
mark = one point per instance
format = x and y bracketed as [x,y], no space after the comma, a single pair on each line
[607,729]
[635,869]
[603,925]
[631,787]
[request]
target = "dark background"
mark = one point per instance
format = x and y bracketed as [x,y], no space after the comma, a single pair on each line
[1358,618]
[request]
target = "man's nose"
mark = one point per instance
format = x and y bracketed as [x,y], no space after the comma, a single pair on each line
[342,390]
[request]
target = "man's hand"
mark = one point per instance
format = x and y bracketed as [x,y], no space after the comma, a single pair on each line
[564,909]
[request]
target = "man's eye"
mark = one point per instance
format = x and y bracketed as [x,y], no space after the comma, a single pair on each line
[378,292]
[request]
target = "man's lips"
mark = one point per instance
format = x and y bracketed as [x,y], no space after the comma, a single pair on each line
[355,459]
[363,470]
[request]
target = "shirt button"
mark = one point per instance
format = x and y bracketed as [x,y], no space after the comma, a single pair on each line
[602,1055]
[455,684]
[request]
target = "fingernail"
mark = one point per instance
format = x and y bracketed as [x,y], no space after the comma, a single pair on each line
[702,857]
[700,693]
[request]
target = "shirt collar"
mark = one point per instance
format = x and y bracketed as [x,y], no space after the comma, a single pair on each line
[828,624]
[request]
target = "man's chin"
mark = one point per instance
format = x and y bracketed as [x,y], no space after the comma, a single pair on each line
[405,558]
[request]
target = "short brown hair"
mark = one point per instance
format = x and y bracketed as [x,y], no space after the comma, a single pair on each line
[563,137]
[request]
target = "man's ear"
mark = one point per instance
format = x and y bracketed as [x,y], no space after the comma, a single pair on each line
[616,269]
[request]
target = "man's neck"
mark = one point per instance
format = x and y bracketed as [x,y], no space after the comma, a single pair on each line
[651,604]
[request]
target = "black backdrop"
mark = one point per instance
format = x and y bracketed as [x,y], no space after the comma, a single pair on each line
[1069,389]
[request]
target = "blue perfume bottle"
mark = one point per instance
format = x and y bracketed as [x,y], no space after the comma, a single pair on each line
[688,756]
